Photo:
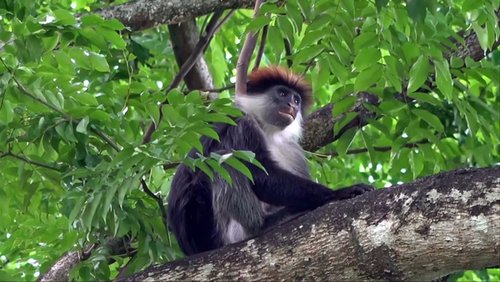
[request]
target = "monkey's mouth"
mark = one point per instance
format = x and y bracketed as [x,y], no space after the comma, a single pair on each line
[288,114]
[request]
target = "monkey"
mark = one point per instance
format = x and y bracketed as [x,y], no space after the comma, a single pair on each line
[206,214]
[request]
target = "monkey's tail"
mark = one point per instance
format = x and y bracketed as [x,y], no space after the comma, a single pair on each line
[191,220]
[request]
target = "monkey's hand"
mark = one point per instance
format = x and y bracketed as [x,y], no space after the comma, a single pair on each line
[351,191]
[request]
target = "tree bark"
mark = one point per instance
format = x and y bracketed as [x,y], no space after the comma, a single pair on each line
[184,37]
[143,14]
[419,231]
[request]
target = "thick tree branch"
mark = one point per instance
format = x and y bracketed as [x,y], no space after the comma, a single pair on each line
[142,14]
[318,126]
[418,231]
[184,37]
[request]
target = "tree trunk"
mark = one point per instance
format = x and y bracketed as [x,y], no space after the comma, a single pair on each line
[419,231]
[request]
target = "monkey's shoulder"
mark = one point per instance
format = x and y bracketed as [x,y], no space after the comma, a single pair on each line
[245,134]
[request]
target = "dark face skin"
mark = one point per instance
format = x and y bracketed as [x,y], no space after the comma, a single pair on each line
[284,106]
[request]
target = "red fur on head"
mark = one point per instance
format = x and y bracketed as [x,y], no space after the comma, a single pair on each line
[263,78]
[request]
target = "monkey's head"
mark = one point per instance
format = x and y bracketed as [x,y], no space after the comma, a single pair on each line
[276,96]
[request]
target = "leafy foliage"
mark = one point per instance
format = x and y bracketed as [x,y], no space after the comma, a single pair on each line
[77,95]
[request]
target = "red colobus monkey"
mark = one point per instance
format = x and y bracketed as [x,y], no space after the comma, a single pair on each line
[205,214]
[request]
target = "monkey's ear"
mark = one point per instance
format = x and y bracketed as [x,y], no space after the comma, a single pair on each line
[264,78]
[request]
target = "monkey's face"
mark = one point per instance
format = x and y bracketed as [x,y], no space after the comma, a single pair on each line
[278,106]
[283,106]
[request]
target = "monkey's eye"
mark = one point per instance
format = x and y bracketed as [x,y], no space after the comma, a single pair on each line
[296,99]
[282,94]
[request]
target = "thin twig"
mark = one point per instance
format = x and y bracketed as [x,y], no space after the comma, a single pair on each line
[215,90]
[32,162]
[311,62]
[288,52]
[197,52]
[263,38]
[188,64]
[245,55]
[378,149]
[29,94]
[159,200]
[105,138]
[67,117]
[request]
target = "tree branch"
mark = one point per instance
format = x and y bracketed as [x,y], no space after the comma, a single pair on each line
[67,117]
[260,52]
[184,37]
[188,64]
[318,126]
[378,149]
[30,161]
[143,14]
[245,56]
[389,234]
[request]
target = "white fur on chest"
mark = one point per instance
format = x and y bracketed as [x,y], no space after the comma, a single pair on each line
[284,148]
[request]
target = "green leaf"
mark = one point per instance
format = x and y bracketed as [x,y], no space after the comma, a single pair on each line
[345,141]
[323,73]
[367,78]
[275,39]
[64,63]
[312,38]
[338,70]
[99,62]
[113,37]
[366,57]
[175,97]
[90,210]
[417,10]
[51,41]
[307,54]
[82,125]
[216,117]
[208,131]
[365,40]
[426,98]
[249,157]
[220,170]
[238,165]
[204,167]
[64,17]
[110,194]
[430,118]
[469,5]
[418,73]
[417,163]
[443,78]
[92,20]
[77,209]
[257,23]
[472,118]
[92,36]
[343,105]
[342,53]
[381,4]
[286,27]
[482,36]
[339,125]
[6,112]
